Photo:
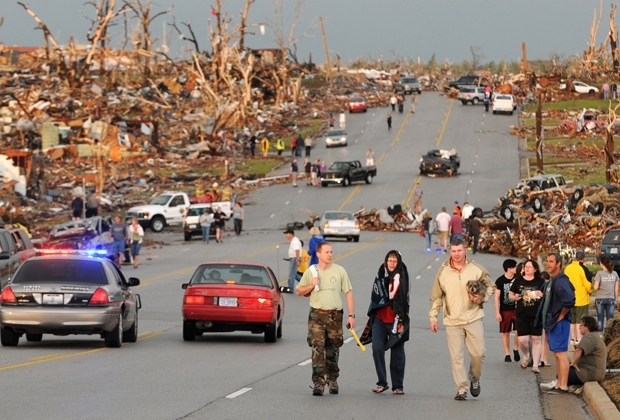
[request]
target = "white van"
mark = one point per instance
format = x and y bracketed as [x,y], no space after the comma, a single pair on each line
[191,226]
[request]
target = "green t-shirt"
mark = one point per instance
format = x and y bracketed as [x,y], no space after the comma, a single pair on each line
[332,281]
[593,361]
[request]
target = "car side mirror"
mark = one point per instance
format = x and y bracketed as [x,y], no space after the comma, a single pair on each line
[133,281]
[4,255]
[184,285]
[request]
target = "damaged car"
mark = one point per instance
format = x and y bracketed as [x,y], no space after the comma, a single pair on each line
[85,234]
[440,163]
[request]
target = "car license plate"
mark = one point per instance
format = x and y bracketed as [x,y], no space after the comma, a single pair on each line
[192,226]
[52,299]
[613,250]
[227,301]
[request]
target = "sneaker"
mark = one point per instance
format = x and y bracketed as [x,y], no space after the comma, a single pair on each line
[547,386]
[333,387]
[445,251]
[318,390]
[516,355]
[474,388]
[438,250]
[461,396]
[428,250]
[507,359]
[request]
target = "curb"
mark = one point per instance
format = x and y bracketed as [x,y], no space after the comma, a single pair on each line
[599,402]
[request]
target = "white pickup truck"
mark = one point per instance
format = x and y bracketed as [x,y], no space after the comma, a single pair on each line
[168,208]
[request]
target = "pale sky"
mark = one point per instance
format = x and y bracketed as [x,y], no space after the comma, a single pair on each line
[357,28]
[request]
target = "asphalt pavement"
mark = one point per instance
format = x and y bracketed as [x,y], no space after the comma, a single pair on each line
[238,375]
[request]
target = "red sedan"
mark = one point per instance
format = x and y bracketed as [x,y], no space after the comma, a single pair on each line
[225,297]
[357,104]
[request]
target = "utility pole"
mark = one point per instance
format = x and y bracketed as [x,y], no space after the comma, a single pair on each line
[329,66]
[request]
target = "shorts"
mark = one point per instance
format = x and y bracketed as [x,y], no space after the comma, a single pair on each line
[135,248]
[76,213]
[525,326]
[558,336]
[117,247]
[313,175]
[442,234]
[509,319]
[577,312]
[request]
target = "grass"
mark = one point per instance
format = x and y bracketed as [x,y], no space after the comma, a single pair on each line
[574,105]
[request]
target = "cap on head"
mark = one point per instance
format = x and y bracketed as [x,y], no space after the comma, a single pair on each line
[580,254]
[456,202]
[289,231]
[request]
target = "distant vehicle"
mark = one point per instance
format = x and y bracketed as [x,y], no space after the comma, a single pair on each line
[66,292]
[407,85]
[340,224]
[191,224]
[610,246]
[343,173]
[23,244]
[463,80]
[471,94]
[166,209]
[581,87]
[335,138]
[542,182]
[357,103]
[226,297]
[440,162]
[504,103]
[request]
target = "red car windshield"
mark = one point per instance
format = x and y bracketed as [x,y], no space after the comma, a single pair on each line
[232,274]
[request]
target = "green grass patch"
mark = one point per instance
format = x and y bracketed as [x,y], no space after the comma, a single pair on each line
[553,122]
[575,105]
[256,166]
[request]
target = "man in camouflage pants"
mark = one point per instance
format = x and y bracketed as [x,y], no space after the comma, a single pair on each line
[323,282]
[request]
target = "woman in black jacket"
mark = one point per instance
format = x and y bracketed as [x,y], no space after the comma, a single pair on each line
[389,321]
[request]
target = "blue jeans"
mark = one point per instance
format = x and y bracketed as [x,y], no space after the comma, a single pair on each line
[427,236]
[604,309]
[205,233]
[456,236]
[380,332]
[292,273]
[605,94]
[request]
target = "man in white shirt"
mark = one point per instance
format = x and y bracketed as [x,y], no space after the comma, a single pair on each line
[294,258]
[443,229]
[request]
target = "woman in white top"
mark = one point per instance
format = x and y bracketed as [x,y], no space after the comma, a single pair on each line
[606,286]
[135,233]
[370,158]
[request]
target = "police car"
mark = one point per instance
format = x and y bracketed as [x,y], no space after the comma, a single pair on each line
[64,292]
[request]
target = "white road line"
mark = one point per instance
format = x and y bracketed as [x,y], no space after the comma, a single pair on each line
[305,362]
[286,203]
[272,215]
[236,394]
[186,249]
[417,277]
[429,267]
[348,340]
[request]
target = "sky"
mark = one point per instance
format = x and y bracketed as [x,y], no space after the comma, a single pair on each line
[387,29]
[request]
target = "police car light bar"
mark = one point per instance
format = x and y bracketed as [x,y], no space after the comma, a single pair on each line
[89,252]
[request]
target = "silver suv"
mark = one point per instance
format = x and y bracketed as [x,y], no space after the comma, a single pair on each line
[407,85]
[471,94]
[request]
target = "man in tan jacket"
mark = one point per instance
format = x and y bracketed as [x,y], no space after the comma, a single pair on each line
[462,315]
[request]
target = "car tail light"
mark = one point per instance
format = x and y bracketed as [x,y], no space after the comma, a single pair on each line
[194,300]
[255,303]
[357,225]
[326,224]
[100,297]
[8,296]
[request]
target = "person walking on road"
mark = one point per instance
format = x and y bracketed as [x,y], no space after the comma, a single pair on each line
[135,233]
[294,170]
[505,309]
[554,315]
[583,289]
[428,231]
[205,221]
[462,315]
[456,227]
[389,321]
[308,145]
[219,218]
[294,257]
[370,158]
[308,171]
[473,232]
[238,216]
[393,102]
[606,286]
[119,239]
[389,121]
[442,220]
[417,198]
[324,282]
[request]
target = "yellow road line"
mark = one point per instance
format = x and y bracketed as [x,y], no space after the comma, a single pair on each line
[445,122]
[348,200]
[400,130]
[411,191]
[381,159]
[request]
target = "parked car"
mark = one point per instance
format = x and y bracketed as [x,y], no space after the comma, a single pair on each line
[165,209]
[335,138]
[504,103]
[407,85]
[84,234]
[356,104]
[340,224]
[10,259]
[191,224]
[440,162]
[471,94]
[69,292]
[345,172]
[24,246]
[581,87]
[610,246]
[226,297]
[541,182]
[463,80]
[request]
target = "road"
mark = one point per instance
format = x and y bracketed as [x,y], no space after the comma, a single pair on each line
[238,375]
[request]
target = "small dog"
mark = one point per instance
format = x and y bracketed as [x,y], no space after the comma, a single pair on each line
[477,288]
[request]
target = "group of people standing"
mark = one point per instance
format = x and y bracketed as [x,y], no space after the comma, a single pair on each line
[217,219]
[461,225]
[399,99]
[312,170]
